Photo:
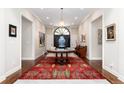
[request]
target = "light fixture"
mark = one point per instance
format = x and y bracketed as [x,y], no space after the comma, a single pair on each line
[41,8]
[76,18]
[47,17]
[81,8]
[51,24]
[61,20]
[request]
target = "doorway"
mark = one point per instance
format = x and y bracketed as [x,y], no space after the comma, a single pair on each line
[62,37]
[96,39]
[27,52]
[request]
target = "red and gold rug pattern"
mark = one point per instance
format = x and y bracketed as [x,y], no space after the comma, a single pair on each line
[48,69]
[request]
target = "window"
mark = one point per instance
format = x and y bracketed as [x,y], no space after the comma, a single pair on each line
[61,37]
[61,31]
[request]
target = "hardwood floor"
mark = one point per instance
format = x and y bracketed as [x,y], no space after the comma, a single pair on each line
[97,64]
[26,65]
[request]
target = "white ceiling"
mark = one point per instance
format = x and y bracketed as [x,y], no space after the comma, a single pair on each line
[71,16]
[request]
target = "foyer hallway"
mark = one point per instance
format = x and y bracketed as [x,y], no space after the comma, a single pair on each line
[96,34]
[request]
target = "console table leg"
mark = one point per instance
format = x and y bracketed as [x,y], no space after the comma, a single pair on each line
[56,59]
[66,57]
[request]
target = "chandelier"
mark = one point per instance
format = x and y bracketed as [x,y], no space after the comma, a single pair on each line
[61,24]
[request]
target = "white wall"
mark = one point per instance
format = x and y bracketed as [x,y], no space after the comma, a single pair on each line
[10,47]
[37,26]
[74,36]
[13,44]
[50,36]
[121,44]
[96,49]
[27,52]
[86,27]
[114,50]
[2,45]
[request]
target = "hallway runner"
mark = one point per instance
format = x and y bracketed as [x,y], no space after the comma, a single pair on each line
[48,69]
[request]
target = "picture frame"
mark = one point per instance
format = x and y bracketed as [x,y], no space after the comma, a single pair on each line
[111,32]
[100,36]
[41,39]
[83,38]
[12,30]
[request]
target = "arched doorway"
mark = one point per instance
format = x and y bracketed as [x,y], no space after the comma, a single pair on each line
[61,37]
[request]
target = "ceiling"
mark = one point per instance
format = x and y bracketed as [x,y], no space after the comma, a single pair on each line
[71,16]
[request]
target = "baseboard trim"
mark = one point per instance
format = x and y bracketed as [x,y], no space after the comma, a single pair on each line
[2,78]
[35,59]
[12,71]
[95,58]
[120,77]
[111,71]
[40,55]
[28,58]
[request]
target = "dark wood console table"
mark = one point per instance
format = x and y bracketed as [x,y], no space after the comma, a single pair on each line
[61,60]
[81,51]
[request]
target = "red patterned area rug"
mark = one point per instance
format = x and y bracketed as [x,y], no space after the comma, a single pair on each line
[48,69]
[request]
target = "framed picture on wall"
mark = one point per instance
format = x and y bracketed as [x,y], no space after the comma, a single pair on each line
[111,32]
[41,39]
[99,36]
[12,30]
[83,38]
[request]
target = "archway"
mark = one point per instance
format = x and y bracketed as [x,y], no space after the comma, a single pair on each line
[61,37]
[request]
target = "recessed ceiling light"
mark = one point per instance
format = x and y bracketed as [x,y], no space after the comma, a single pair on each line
[41,8]
[51,23]
[75,18]
[72,23]
[81,8]
[47,17]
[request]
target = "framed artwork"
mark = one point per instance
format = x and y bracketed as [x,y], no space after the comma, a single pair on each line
[12,31]
[111,32]
[56,40]
[99,36]
[83,38]
[42,39]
